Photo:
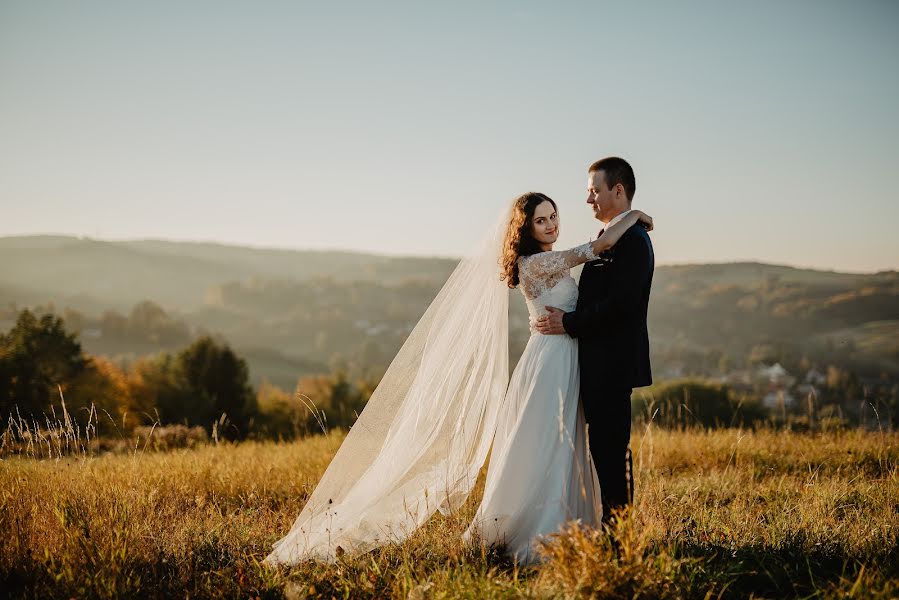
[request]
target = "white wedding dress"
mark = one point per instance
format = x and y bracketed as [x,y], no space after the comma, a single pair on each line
[541,473]
[418,445]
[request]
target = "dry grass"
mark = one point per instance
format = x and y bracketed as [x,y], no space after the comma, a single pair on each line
[725,513]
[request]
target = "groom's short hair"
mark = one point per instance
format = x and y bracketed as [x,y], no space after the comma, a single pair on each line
[617,170]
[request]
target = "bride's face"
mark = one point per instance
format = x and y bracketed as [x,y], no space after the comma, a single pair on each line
[545,224]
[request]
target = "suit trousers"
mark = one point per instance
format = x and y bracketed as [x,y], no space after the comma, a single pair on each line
[608,416]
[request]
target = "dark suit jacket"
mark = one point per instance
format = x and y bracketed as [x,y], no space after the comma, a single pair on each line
[610,318]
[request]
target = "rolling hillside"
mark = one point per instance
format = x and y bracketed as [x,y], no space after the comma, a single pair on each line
[292,312]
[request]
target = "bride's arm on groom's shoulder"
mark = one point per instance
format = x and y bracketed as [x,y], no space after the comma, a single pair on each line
[540,266]
[611,235]
[543,264]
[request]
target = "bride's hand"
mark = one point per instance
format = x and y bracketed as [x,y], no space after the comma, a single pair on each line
[645,219]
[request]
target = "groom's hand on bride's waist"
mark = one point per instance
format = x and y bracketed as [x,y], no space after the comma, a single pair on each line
[551,323]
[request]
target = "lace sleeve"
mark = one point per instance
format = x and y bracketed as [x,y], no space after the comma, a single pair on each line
[544,264]
[538,271]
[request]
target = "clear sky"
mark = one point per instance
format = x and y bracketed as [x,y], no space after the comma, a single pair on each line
[761,131]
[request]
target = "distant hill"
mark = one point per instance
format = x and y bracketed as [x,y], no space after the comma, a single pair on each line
[177,274]
[779,312]
[291,312]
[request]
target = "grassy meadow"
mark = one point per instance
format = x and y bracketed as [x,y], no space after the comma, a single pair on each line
[718,514]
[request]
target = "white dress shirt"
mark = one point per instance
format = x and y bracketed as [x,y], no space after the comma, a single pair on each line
[617,218]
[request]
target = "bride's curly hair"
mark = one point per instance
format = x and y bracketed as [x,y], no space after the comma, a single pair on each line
[518,240]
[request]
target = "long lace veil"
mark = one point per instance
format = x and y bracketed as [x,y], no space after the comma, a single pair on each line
[425,432]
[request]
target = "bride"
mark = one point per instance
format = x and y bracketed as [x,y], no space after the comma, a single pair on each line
[424,434]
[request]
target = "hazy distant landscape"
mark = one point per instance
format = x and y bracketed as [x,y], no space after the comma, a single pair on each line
[291,313]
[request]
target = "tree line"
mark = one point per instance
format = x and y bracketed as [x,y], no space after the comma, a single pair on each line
[42,366]
[206,384]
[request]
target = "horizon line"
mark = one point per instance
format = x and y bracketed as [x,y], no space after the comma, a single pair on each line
[214,242]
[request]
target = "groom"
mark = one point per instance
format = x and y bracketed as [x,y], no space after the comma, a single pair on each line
[610,325]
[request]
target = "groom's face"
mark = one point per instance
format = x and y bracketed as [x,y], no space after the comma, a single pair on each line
[607,203]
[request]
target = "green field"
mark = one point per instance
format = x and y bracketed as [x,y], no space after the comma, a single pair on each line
[723,513]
